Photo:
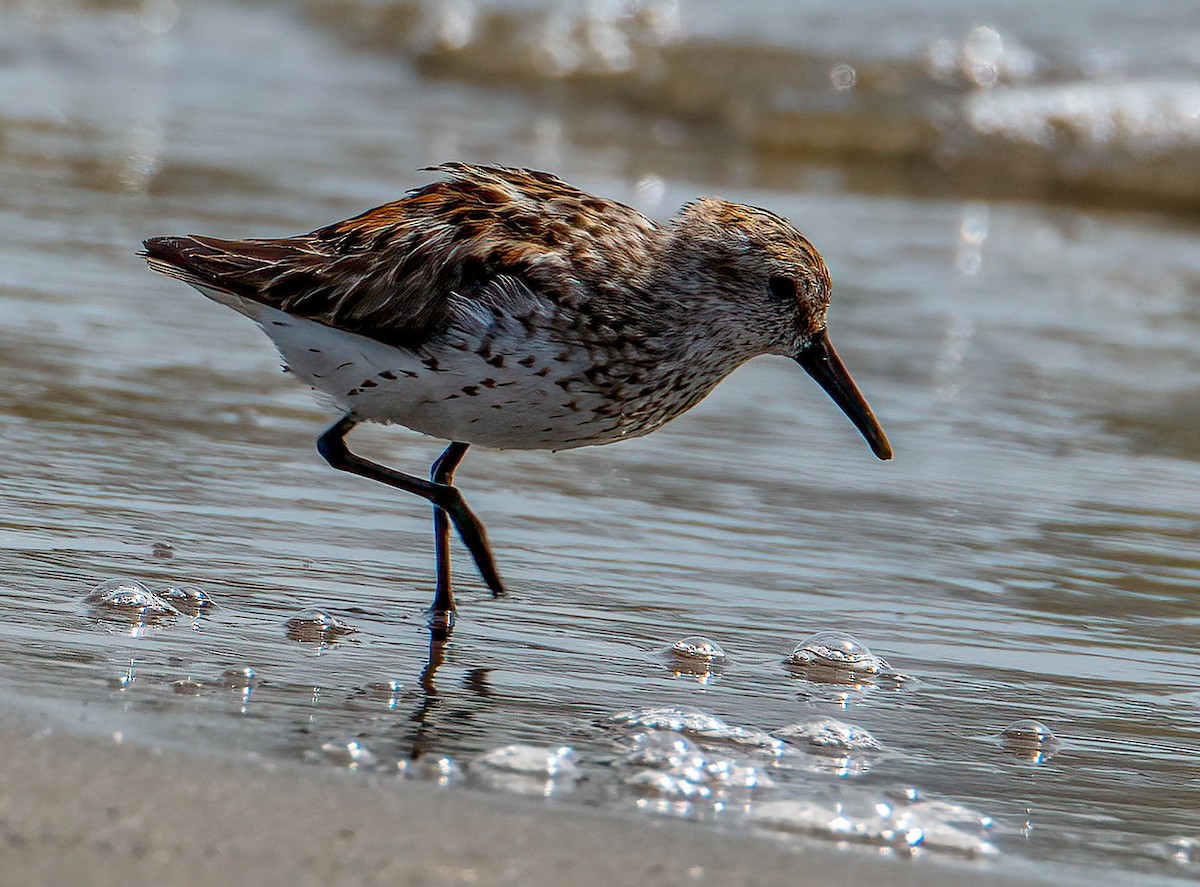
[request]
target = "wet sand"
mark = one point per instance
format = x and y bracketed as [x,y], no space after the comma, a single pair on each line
[78,810]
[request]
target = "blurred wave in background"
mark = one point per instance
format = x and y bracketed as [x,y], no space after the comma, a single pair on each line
[1082,101]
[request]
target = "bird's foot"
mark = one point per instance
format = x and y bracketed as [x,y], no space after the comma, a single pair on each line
[441,622]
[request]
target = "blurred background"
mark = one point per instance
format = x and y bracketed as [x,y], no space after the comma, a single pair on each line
[1007,195]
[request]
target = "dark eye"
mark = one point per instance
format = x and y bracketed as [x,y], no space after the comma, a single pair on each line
[783,289]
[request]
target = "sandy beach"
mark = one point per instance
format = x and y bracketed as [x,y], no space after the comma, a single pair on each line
[79,810]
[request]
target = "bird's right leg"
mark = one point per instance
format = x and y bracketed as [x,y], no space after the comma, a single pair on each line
[445,498]
[442,613]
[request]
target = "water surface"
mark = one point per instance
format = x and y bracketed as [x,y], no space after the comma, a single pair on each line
[1031,553]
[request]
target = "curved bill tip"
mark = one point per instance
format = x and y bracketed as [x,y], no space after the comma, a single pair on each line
[822,363]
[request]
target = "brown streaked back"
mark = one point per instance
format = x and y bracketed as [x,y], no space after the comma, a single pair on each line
[388,272]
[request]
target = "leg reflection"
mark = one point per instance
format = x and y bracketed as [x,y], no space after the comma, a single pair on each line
[425,737]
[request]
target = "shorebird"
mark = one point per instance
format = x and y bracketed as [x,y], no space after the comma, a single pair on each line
[506,308]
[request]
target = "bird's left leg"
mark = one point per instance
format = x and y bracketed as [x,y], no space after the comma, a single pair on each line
[332,446]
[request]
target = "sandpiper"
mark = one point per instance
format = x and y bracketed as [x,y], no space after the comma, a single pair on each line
[506,308]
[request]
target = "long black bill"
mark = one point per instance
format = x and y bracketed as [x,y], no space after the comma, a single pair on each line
[822,363]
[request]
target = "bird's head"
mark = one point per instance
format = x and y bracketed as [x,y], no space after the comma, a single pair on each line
[773,290]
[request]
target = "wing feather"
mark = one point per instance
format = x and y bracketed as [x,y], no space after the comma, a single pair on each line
[389,272]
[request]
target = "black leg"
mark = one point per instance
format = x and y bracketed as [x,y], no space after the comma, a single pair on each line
[442,612]
[447,500]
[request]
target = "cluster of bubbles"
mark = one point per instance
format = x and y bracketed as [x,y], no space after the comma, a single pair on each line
[131,605]
[516,769]
[692,722]
[827,657]
[666,765]
[686,762]
[128,601]
[672,760]
[902,822]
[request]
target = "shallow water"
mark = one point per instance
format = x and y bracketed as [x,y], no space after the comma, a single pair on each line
[1030,554]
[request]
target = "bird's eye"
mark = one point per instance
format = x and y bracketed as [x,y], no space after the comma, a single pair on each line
[783,289]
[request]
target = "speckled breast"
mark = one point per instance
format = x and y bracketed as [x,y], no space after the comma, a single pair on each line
[492,381]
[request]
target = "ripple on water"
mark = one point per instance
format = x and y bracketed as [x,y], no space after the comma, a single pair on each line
[696,724]
[317,626]
[835,657]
